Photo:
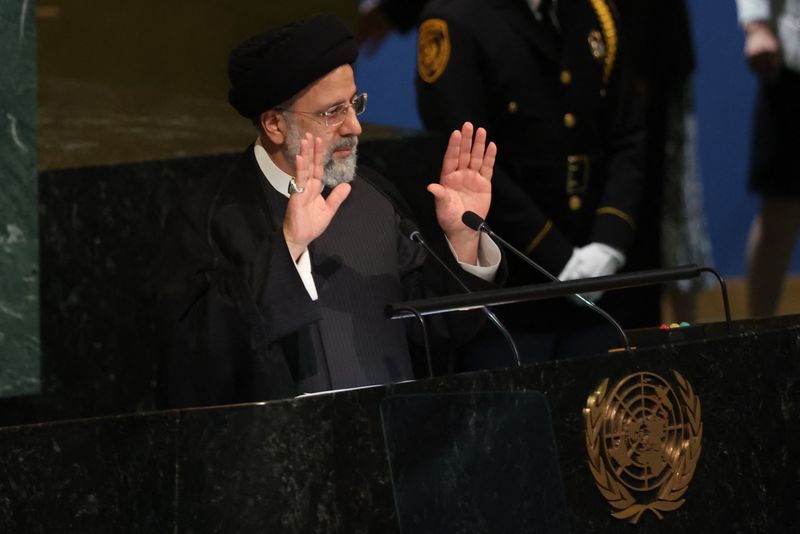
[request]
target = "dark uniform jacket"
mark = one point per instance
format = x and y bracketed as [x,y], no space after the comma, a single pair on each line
[559,106]
[237,322]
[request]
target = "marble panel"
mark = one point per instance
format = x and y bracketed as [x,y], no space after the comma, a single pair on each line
[746,478]
[96,475]
[315,464]
[100,230]
[474,462]
[319,463]
[19,244]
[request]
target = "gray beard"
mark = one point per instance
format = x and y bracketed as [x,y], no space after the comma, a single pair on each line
[335,171]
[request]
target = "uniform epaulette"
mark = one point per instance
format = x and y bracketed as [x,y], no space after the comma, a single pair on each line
[609,29]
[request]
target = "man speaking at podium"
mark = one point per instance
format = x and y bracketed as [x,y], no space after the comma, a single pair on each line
[275,274]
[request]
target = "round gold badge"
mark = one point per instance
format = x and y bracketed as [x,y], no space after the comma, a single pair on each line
[433,49]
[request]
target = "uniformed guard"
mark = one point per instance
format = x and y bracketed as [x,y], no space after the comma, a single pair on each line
[550,81]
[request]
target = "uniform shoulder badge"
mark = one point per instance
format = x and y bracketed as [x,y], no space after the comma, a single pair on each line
[433,49]
[596,45]
[643,439]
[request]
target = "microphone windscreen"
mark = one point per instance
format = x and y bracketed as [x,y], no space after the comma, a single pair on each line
[472,220]
[408,228]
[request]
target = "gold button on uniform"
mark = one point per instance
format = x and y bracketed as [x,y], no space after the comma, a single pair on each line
[569,120]
[566,77]
[513,106]
[575,203]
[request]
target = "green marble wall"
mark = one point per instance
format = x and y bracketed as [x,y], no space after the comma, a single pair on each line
[19,242]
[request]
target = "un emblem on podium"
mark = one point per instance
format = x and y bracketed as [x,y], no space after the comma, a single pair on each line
[643,439]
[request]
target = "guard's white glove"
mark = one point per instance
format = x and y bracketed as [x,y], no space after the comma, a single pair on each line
[589,261]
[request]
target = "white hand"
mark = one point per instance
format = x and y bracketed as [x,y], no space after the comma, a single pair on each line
[592,260]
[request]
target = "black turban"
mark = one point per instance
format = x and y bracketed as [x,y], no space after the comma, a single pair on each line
[270,68]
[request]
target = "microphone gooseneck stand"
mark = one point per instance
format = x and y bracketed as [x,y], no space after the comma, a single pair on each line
[476,222]
[409,229]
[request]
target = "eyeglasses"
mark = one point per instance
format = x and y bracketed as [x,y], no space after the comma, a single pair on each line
[336,115]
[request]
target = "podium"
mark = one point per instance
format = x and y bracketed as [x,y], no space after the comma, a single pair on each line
[381,459]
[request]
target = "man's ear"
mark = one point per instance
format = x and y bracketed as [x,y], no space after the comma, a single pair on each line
[273,126]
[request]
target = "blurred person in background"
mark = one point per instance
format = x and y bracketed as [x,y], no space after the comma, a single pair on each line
[772,50]
[672,226]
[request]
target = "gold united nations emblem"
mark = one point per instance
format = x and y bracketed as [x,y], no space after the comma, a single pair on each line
[433,49]
[643,438]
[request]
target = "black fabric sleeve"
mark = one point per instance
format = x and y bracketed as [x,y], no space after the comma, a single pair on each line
[221,337]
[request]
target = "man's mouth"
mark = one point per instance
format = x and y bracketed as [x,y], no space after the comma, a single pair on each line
[344,149]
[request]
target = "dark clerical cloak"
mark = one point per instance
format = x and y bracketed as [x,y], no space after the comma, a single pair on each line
[237,323]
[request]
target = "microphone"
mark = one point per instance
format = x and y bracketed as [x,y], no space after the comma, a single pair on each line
[477,223]
[410,230]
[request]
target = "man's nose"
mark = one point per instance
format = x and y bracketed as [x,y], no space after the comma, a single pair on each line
[351,125]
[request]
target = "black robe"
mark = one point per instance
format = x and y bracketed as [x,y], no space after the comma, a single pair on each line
[237,324]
